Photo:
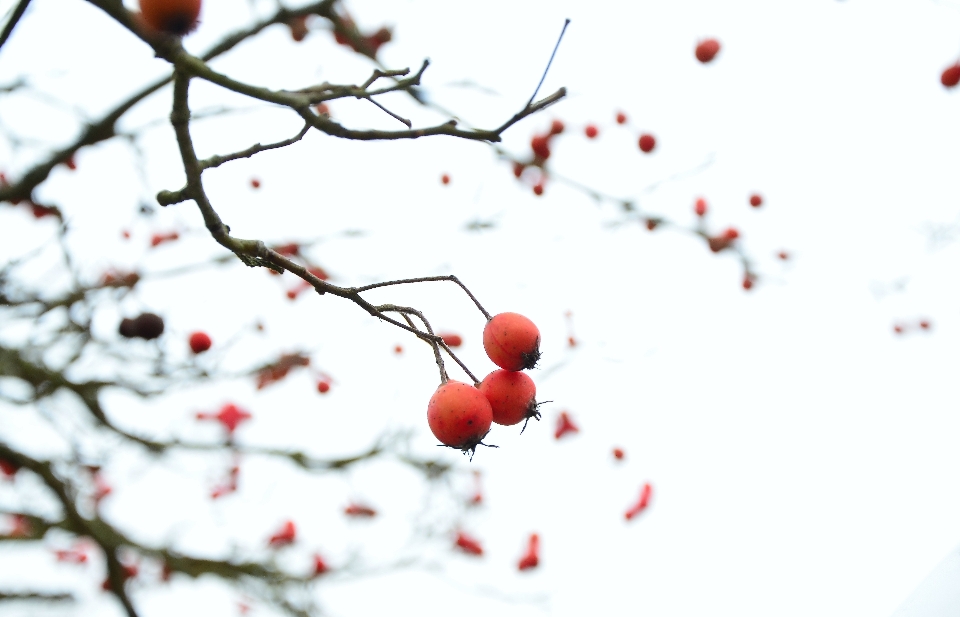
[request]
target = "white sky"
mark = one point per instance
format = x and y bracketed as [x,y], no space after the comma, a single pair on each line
[803,457]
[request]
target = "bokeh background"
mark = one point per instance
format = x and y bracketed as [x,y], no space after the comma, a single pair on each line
[803,454]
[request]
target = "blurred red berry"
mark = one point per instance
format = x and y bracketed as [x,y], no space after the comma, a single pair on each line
[618,454]
[445,179]
[707,50]
[647,143]
[641,504]
[700,206]
[540,144]
[951,76]
[591,131]
[518,168]
[298,28]
[468,544]
[621,117]
[556,127]
[319,565]
[925,324]
[783,255]
[452,340]
[538,188]
[756,200]
[255,183]
[323,386]
[359,511]
[532,557]
[70,163]
[286,535]
[564,426]
[200,342]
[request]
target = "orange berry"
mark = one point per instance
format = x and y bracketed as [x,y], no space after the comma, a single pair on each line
[707,50]
[172,16]
[512,341]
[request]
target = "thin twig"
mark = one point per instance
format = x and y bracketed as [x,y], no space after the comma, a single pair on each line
[12,22]
[550,61]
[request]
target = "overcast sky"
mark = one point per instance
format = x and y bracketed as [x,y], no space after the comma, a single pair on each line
[803,455]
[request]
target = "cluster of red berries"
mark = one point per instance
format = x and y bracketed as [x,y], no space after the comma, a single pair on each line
[460,415]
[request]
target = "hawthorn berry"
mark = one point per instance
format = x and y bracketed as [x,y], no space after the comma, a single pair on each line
[556,127]
[512,341]
[8,468]
[783,255]
[459,415]
[286,535]
[512,396]
[70,163]
[924,324]
[147,326]
[707,50]
[445,179]
[298,28]
[518,168]
[319,565]
[230,416]
[359,511]
[898,329]
[540,144]
[591,131]
[532,557]
[647,143]
[452,340]
[565,425]
[200,342]
[700,206]
[618,454]
[641,504]
[323,386]
[621,117]
[756,200]
[951,76]
[468,544]
[254,183]
[538,189]
[747,282]
[172,16]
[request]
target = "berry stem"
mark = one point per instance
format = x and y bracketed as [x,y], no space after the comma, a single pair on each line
[426,279]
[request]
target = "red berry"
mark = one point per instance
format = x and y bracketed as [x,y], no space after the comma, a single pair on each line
[756,200]
[591,131]
[652,224]
[642,503]
[319,565]
[951,76]
[532,558]
[747,282]
[700,207]
[618,454]
[8,468]
[468,544]
[200,342]
[398,349]
[452,340]
[540,144]
[556,127]
[925,324]
[707,50]
[286,535]
[512,341]
[731,233]
[538,189]
[898,329]
[621,117]
[445,178]
[173,16]
[359,511]
[298,28]
[647,143]
[518,168]
[255,183]
[323,386]
[323,110]
[565,425]
[783,255]
[459,415]
[70,163]
[512,396]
